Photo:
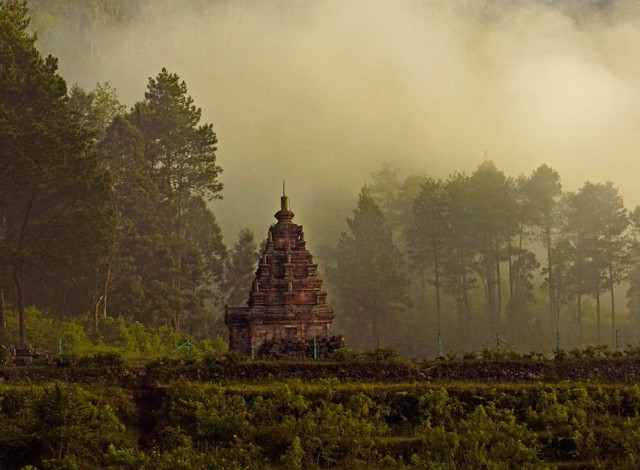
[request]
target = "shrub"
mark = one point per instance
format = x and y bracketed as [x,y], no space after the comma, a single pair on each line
[382,354]
[560,354]
[470,356]
[346,355]
[452,355]
[74,338]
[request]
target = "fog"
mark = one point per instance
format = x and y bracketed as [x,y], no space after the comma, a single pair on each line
[323,93]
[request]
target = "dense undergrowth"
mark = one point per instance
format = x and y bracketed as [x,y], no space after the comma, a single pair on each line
[322,424]
[223,411]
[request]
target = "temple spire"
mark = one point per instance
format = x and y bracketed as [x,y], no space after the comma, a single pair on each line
[284,200]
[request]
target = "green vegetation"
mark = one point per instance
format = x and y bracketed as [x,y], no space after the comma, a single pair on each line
[130,339]
[320,424]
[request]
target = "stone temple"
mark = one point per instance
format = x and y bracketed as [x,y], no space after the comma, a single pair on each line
[286,301]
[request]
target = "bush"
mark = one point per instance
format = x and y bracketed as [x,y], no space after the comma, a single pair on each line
[218,347]
[346,355]
[382,354]
[74,338]
[560,354]
[470,356]
[234,357]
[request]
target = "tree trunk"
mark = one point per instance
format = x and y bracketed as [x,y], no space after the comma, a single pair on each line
[94,330]
[18,267]
[105,295]
[613,305]
[498,289]
[465,298]
[18,274]
[598,316]
[461,317]
[579,316]
[179,259]
[375,336]
[551,281]
[95,335]
[437,286]
[3,321]
[510,306]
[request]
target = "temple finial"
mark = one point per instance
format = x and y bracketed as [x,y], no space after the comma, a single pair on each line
[284,200]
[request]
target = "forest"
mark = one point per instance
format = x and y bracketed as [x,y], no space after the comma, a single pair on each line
[108,226]
[517,298]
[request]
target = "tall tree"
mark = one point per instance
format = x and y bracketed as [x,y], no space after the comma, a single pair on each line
[180,153]
[428,235]
[458,278]
[633,276]
[138,257]
[598,221]
[52,194]
[240,267]
[541,194]
[368,278]
[494,213]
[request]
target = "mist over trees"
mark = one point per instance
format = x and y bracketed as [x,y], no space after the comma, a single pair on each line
[106,212]
[506,261]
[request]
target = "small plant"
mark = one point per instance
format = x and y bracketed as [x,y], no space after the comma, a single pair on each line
[602,350]
[559,354]
[576,353]
[536,356]
[469,356]
[452,355]
[632,351]
[66,360]
[487,354]
[234,357]
[382,354]
[5,355]
[512,354]
[346,355]
[590,351]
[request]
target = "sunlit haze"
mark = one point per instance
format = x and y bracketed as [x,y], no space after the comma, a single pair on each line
[323,93]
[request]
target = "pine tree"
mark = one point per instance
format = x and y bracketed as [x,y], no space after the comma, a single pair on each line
[428,237]
[541,194]
[597,222]
[368,279]
[52,193]
[181,159]
[240,268]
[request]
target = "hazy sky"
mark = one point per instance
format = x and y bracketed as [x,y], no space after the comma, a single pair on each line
[323,92]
